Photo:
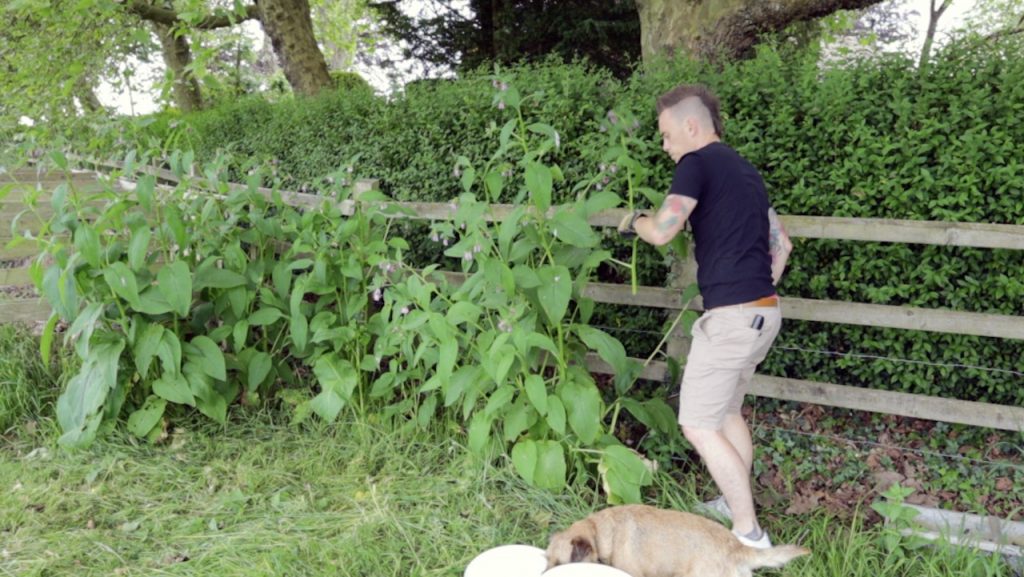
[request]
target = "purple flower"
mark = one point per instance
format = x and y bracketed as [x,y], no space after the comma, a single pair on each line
[444,241]
[503,87]
[404,311]
[467,256]
[494,83]
[504,326]
[613,169]
[612,117]
[377,295]
[435,238]
[456,172]
[602,167]
[477,248]
[558,140]
[501,105]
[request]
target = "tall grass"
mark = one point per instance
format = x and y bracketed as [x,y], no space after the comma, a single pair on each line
[27,385]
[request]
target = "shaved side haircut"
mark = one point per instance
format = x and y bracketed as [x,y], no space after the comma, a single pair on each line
[690,95]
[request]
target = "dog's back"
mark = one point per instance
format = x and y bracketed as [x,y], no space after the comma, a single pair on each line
[648,542]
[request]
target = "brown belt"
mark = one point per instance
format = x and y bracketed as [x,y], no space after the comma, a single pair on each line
[772,301]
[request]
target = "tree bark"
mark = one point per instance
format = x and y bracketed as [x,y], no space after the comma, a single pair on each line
[86,95]
[290,28]
[933,23]
[177,56]
[169,17]
[712,29]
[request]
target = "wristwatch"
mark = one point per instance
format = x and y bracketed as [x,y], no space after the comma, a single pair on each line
[630,231]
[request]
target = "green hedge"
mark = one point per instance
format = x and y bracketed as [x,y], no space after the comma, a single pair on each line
[874,139]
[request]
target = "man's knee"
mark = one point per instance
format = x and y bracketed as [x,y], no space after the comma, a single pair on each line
[697,436]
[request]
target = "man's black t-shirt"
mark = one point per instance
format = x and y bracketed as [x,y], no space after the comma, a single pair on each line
[730,224]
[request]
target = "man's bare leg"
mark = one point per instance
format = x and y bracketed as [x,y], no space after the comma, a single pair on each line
[730,472]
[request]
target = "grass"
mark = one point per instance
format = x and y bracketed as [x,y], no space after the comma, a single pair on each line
[349,500]
[358,499]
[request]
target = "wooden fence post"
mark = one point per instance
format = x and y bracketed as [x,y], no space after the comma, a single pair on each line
[682,275]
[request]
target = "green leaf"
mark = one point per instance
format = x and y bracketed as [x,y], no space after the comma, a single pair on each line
[122,281]
[138,248]
[46,338]
[573,229]
[265,316]
[337,374]
[87,242]
[537,393]
[175,284]
[583,405]
[81,330]
[174,388]
[59,159]
[210,358]
[208,400]
[79,408]
[479,433]
[142,421]
[554,292]
[144,191]
[468,177]
[169,352]
[446,358]
[624,473]
[463,312]
[213,277]
[494,183]
[151,302]
[259,367]
[539,183]
[499,399]
[556,414]
[146,346]
[540,463]
[608,347]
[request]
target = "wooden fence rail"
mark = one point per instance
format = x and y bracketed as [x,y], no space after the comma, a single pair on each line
[979,235]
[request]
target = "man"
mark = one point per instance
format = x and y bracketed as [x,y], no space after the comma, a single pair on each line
[741,250]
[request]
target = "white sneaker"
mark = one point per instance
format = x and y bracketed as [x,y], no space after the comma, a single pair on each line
[763,543]
[717,508]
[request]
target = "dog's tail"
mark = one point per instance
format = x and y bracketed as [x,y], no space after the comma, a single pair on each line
[773,556]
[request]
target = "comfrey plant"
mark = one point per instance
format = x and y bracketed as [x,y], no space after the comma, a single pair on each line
[518,365]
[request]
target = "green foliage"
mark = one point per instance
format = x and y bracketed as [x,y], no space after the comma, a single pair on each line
[934,145]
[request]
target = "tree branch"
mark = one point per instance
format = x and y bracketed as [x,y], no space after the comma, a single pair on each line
[735,35]
[169,17]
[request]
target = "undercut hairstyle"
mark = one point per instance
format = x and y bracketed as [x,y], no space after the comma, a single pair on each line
[699,91]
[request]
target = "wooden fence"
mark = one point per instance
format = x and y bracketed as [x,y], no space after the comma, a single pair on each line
[847,229]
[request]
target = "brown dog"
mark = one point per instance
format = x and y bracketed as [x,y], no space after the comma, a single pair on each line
[648,542]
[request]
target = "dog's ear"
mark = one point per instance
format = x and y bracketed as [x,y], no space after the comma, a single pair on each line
[582,549]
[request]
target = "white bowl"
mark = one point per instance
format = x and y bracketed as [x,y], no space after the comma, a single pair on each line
[585,570]
[508,561]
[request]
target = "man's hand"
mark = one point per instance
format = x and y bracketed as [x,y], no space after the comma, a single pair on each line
[626,228]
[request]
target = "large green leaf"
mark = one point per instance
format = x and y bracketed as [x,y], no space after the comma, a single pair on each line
[175,284]
[210,276]
[210,358]
[554,292]
[539,182]
[142,421]
[582,401]
[259,367]
[174,388]
[79,407]
[537,393]
[81,330]
[122,281]
[87,241]
[540,463]
[338,379]
[265,316]
[572,228]
[147,343]
[608,347]
[624,473]
[169,352]
[138,247]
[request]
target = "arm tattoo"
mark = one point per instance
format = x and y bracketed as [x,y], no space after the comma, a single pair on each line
[775,232]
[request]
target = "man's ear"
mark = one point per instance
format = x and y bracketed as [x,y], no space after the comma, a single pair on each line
[582,549]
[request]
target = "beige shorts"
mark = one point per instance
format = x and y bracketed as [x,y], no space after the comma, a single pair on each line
[723,356]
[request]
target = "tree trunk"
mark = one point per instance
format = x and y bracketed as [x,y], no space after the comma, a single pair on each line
[87,96]
[727,29]
[290,28]
[177,57]
[933,24]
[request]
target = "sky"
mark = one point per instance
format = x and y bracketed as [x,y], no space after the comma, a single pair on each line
[140,100]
